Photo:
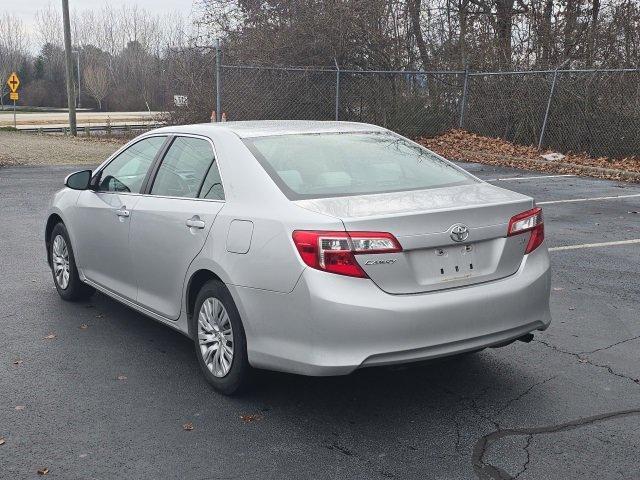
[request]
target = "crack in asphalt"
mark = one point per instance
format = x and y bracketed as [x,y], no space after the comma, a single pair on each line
[473,404]
[583,359]
[486,471]
[528,459]
[524,394]
[612,345]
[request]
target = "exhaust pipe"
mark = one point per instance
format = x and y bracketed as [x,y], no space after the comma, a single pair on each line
[526,338]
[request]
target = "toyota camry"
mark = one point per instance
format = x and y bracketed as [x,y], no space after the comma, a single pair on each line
[316,248]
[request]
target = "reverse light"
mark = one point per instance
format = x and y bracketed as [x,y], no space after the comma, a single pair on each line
[335,252]
[529,221]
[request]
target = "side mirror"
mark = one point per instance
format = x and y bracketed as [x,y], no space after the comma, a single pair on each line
[79,180]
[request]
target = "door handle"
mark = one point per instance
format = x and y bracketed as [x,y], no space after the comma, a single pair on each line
[195,222]
[122,212]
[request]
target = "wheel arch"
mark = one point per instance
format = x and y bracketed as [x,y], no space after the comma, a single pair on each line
[195,283]
[52,221]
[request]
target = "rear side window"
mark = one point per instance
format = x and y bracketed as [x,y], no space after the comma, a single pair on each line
[343,164]
[188,168]
[212,185]
[127,171]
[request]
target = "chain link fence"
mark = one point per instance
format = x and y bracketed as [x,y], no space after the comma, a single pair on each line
[592,111]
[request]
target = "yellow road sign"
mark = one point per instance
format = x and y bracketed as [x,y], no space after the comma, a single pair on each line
[14,82]
[14,96]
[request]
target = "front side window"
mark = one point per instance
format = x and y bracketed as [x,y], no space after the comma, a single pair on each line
[188,170]
[127,171]
[342,164]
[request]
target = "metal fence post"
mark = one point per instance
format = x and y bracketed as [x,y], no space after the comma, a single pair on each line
[337,90]
[546,113]
[218,91]
[464,96]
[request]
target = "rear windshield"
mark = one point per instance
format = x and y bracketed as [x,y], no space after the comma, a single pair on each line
[341,164]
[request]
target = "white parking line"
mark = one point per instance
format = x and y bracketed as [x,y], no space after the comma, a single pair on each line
[573,200]
[594,245]
[513,179]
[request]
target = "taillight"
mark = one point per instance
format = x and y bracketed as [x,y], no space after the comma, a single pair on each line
[334,251]
[529,221]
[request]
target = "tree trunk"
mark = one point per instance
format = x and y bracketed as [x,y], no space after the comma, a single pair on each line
[571,15]
[593,33]
[414,11]
[546,33]
[463,18]
[504,14]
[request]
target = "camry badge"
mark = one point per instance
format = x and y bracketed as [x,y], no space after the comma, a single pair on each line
[387,261]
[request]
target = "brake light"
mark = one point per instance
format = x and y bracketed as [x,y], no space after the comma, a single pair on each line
[335,251]
[529,221]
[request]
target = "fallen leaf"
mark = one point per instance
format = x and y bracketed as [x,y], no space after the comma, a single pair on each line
[50,336]
[2,442]
[84,326]
[43,471]
[188,426]
[250,418]
[121,377]
[17,362]
[466,146]
[20,407]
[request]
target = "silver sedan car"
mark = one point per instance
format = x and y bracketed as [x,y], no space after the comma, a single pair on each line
[308,247]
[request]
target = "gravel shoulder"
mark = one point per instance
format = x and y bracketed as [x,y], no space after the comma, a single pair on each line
[27,149]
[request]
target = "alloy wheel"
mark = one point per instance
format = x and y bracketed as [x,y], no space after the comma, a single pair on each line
[215,337]
[61,261]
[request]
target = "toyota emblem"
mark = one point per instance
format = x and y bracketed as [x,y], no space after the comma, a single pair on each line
[459,232]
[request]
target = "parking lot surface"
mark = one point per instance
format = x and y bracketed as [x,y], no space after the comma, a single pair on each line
[96,391]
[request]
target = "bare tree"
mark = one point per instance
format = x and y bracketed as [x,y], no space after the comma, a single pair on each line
[12,49]
[96,81]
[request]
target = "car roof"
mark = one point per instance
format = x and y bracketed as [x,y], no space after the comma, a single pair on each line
[261,128]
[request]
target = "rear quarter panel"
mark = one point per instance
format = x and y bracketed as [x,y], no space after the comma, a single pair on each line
[271,262]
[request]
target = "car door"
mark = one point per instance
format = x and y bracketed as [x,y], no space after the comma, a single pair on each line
[170,225]
[103,217]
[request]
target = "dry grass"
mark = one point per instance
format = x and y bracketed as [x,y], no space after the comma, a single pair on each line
[28,149]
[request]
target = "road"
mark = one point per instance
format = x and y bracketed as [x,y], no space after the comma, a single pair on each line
[107,396]
[84,118]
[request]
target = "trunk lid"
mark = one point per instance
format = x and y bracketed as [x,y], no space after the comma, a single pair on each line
[422,221]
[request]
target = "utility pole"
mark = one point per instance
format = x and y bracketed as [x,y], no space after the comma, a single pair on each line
[218,90]
[77,52]
[71,97]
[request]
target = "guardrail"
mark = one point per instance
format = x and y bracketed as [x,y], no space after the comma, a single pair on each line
[93,128]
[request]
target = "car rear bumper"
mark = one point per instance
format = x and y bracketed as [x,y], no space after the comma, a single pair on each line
[331,324]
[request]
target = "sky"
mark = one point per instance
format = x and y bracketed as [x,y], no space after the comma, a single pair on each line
[26,9]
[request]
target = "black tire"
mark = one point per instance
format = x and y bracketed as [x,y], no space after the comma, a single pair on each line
[75,290]
[238,378]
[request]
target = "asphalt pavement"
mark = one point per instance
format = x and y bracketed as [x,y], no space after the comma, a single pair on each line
[96,391]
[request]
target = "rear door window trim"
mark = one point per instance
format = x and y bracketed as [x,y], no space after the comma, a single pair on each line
[158,162]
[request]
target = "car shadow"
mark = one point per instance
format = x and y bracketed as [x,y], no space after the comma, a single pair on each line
[454,379]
